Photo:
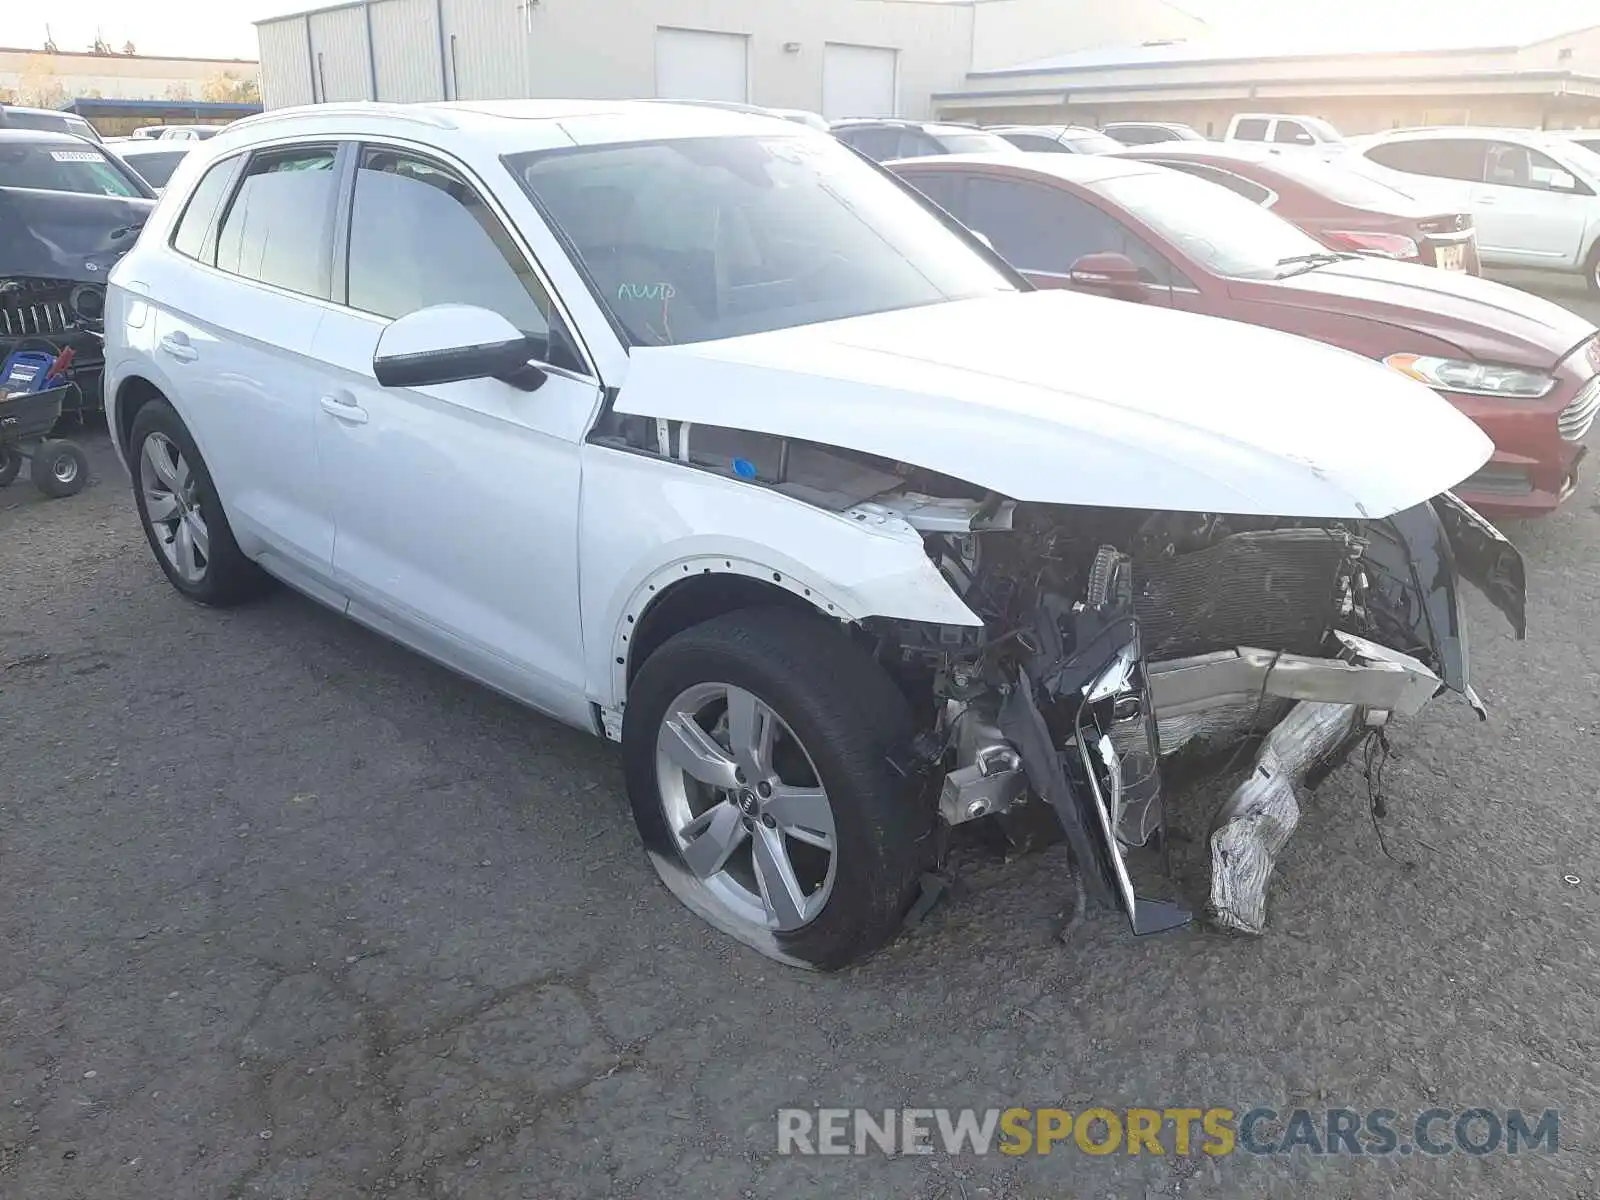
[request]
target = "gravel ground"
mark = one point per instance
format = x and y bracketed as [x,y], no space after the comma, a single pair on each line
[286,911]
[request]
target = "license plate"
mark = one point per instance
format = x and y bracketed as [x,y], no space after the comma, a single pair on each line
[1450,258]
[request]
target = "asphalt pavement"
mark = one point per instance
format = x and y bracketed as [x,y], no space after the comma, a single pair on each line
[286,911]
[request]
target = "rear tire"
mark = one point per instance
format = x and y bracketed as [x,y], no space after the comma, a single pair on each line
[182,515]
[833,702]
[60,469]
[1591,270]
[10,466]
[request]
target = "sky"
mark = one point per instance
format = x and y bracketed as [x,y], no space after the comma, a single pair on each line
[222,28]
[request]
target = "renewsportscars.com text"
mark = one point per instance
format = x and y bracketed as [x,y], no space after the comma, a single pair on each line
[1212,1131]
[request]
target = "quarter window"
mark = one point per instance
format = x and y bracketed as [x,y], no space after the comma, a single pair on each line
[421,236]
[1439,158]
[190,236]
[278,228]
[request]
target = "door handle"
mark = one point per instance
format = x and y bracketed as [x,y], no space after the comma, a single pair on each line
[177,346]
[1487,201]
[344,407]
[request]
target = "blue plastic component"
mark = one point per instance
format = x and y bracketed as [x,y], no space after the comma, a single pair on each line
[744,468]
[26,371]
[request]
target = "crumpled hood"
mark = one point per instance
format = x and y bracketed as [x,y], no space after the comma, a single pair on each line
[66,235]
[1489,321]
[1052,397]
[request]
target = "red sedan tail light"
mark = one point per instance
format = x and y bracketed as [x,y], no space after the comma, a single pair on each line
[1381,245]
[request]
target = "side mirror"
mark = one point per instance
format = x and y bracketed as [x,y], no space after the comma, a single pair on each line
[1561,181]
[451,343]
[984,238]
[1108,273]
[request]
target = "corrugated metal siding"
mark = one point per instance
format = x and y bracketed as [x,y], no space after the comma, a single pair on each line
[488,52]
[339,54]
[285,66]
[405,39]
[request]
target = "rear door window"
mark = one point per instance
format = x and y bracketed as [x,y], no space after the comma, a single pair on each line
[1251,129]
[279,227]
[1292,133]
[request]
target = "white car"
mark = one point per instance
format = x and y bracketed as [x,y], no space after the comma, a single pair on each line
[1534,197]
[154,159]
[1283,129]
[692,429]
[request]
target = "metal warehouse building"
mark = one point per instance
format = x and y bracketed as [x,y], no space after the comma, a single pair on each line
[837,57]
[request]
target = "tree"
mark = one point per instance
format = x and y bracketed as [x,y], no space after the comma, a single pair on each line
[39,86]
[229,88]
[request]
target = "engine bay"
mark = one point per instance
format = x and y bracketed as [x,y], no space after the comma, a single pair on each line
[1118,644]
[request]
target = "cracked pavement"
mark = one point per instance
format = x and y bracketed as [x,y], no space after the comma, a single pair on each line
[286,912]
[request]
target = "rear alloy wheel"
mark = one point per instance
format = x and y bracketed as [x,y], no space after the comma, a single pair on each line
[172,509]
[756,748]
[182,515]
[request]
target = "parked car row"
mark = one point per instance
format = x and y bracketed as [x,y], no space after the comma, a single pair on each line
[697,431]
[1523,368]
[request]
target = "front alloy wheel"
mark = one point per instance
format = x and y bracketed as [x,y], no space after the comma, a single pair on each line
[762,845]
[757,748]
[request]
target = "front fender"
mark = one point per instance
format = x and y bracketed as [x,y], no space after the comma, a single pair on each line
[648,522]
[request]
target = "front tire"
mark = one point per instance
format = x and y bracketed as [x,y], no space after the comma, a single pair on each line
[1591,270]
[756,747]
[10,466]
[182,515]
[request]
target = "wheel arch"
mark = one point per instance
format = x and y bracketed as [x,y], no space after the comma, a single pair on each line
[688,593]
[133,393]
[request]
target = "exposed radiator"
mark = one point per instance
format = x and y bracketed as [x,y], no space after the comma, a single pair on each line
[1276,589]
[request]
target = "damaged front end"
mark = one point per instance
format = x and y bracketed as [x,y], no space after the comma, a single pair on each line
[1118,643]
[56,249]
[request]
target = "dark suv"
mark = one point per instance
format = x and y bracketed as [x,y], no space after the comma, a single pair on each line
[881,139]
[68,212]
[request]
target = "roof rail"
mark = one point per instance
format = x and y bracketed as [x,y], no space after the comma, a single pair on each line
[421,114]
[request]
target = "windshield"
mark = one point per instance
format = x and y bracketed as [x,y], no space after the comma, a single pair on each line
[700,238]
[1323,131]
[62,167]
[1091,142]
[1214,226]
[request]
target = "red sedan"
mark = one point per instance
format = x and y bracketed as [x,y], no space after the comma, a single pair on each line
[1526,370]
[1337,207]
